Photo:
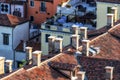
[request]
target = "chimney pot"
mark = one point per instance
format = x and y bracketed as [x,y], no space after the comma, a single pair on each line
[51,40]
[58,44]
[85,47]
[8,64]
[83,31]
[80,75]
[29,55]
[109,72]
[110,18]
[2,60]
[75,41]
[75,29]
[37,57]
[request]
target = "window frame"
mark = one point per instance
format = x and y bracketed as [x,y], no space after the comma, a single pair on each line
[46,37]
[5,39]
[41,6]
[32,4]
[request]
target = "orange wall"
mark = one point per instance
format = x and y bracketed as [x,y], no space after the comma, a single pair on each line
[41,16]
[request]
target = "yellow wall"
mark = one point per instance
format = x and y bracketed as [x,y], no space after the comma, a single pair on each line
[44,45]
[102,13]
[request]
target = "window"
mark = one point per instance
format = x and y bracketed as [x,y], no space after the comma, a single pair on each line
[31,3]
[109,10]
[6,39]
[4,7]
[46,37]
[43,7]
[31,18]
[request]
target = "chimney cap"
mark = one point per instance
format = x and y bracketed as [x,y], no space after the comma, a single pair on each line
[37,52]
[109,67]
[83,27]
[81,72]
[74,35]
[9,62]
[85,40]
[58,39]
[28,47]
[51,37]
[75,26]
[110,14]
[2,58]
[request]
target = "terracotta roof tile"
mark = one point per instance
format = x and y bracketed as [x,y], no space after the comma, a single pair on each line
[95,68]
[115,31]
[44,71]
[10,20]
[35,45]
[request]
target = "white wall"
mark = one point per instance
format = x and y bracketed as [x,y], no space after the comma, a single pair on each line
[6,50]
[21,32]
[102,13]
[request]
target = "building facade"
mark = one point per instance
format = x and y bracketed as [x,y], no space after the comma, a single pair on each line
[106,7]
[13,30]
[40,10]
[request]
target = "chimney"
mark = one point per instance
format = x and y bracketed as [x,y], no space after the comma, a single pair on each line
[110,18]
[74,72]
[109,73]
[51,40]
[115,10]
[2,60]
[85,47]
[29,55]
[8,64]
[75,29]
[75,41]
[83,31]
[36,57]
[58,44]
[80,75]
[24,45]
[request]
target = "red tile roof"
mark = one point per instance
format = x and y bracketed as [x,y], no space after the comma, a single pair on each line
[44,71]
[109,44]
[34,45]
[10,20]
[95,68]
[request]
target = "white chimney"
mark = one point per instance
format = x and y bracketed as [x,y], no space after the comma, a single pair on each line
[29,55]
[51,40]
[74,72]
[110,18]
[24,45]
[36,57]
[75,41]
[80,75]
[2,60]
[8,64]
[115,11]
[85,47]
[109,73]
[58,44]
[75,29]
[83,31]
